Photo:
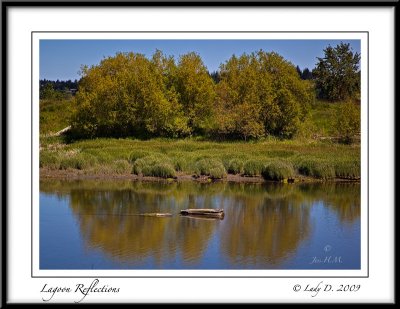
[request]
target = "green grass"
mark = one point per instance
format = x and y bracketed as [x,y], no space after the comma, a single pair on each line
[210,167]
[271,157]
[253,167]
[349,169]
[54,115]
[323,118]
[155,165]
[137,154]
[316,167]
[166,157]
[236,166]
[278,170]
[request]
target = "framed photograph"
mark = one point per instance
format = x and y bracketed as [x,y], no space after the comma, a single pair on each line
[217,154]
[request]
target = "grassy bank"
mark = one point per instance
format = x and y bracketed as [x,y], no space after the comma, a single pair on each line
[312,154]
[55,114]
[168,158]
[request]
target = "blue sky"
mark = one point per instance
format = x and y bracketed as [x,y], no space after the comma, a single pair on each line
[62,59]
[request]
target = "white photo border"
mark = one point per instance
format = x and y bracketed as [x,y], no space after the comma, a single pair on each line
[199,35]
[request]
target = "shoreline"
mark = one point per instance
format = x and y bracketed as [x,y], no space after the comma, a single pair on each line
[73,174]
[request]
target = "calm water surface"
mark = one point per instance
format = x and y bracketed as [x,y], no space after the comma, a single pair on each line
[92,225]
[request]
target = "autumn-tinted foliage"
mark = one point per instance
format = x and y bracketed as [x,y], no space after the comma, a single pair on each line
[348,121]
[130,95]
[261,94]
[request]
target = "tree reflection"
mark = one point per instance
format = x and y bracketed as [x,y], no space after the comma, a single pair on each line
[109,220]
[265,230]
[342,198]
[264,224]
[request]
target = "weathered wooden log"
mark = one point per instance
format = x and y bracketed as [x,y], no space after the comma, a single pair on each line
[203,212]
[62,131]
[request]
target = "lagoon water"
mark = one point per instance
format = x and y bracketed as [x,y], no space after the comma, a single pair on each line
[92,224]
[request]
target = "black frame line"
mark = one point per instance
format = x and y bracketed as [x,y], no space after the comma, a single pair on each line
[255,277]
[207,3]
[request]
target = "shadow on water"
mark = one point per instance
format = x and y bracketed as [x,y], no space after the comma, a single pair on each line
[263,227]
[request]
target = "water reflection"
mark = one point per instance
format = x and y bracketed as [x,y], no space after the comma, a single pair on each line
[108,220]
[263,231]
[264,224]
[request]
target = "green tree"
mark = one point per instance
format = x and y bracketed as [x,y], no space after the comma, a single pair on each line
[299,71]
[306,74]
[131,95]
[47,92]
[237,108]
[348,121]
[127,95]
[265,91]
[196,92]
[337,74]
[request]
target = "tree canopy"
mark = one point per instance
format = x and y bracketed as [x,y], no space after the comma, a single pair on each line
[250,96]
[337,74]
[129,95]
[261,94]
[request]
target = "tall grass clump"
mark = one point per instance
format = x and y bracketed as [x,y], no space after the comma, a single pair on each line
[278,170]
[79,161]
[235,166]
[102,155]
[181,164]
[252,168]
[137,154]
[50,160]
[154,165]
[163,170]
[232,159]
[121,167]
[317,168]
[210,167]
[349,169]
[182,161]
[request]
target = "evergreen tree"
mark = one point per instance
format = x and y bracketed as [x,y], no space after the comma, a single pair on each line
[337,75]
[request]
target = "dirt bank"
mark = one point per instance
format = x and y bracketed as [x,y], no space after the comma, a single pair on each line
[71,174]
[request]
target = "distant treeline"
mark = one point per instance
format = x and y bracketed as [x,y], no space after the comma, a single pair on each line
[250,96]
[57,90]
[60,85]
